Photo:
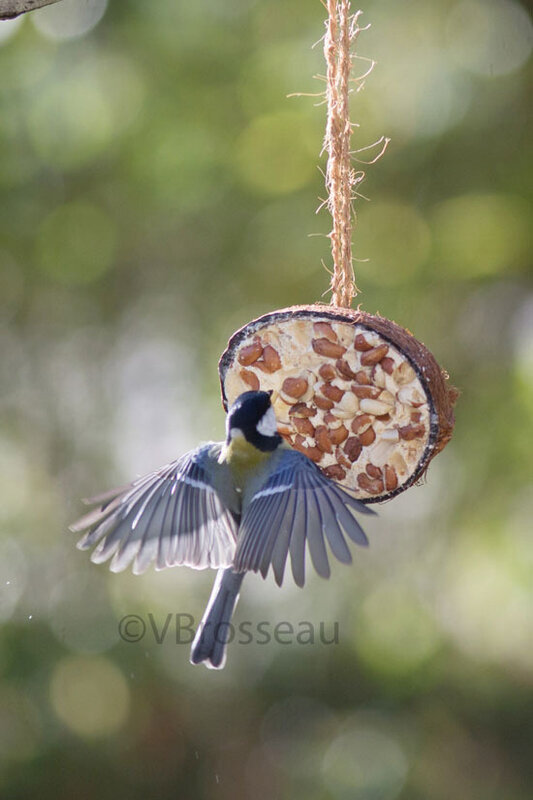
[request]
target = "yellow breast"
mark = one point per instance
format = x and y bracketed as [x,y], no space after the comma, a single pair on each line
[242,458]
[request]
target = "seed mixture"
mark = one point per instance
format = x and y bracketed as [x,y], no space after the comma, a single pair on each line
[344,395]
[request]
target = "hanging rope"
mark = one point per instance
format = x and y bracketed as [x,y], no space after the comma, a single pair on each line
[342,30]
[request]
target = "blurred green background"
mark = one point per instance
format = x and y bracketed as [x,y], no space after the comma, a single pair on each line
[158,190]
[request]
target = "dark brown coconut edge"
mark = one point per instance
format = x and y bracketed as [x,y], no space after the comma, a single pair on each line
[441,397]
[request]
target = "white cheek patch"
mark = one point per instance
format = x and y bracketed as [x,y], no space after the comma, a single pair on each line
[268,425]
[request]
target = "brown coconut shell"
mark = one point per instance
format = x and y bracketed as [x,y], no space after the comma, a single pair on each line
[440,395]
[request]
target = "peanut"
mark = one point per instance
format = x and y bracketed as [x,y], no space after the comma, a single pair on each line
[387,365]
[250,378]
[374,407]
[332,421]
[343,368]
[294,387]
[397,461]
[381,452]
[374,355]
[327,372]
[404,373]
[410,396]
[363,392]
[281,409]
[249,354]
[271,360]
[341,458]
[391,479]
[373,471]
[331,392]
[347,406]
[338,435]
[367,437]
[363,377]
[335,472]
[353,448]
[323,441]
[410,432]
[313,453]
[301,410]
[361,423]
[379,377]
[361,344]
[386,397]
[324,329]
[303,425]
[323,403]
[371,486]
[325,347]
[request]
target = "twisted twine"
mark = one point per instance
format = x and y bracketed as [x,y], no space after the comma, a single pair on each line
[342,30]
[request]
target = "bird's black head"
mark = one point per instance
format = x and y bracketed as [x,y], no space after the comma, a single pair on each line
[252,416]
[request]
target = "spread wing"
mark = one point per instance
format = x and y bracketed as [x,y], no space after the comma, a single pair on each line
[174,516]
[296,505]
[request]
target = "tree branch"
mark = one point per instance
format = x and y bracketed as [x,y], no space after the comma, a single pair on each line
[12,8]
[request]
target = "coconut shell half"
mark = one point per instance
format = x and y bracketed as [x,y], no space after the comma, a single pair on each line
[357,393]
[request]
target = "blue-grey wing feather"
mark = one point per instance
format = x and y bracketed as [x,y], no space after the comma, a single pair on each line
[280,549]
[185,513]
[297,550]
[315,534]
[292,505]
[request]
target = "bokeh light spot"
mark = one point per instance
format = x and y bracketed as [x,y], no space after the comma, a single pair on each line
[395,238]
[487,608]
[480,235]
[69,19]
[365,762]
[278,70]
[278,240]
[489,37]
[70,120]
[419,96]
[395,633]
[275,153]
[89,695]
[176,168]
[75,244]
[428,102]
[123,85]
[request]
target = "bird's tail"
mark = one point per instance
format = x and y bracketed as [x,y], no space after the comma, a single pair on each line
[209,644]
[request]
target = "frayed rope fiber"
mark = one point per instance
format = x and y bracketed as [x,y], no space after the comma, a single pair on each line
[342,30]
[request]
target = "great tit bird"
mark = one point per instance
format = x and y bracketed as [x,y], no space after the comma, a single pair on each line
[238,505]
